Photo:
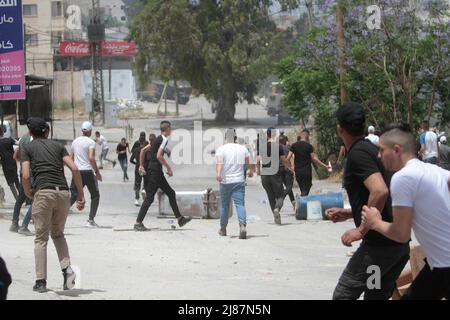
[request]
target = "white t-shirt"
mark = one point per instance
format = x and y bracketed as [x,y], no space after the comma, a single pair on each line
[373,138]
[233,156]
[103,143]
[424,187]
[429,139]
[80,149]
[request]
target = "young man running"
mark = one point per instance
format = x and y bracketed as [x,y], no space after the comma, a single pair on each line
[157,180]
[83,153]
[421,201]
[101,141]
[135,159]
[44,160]
[9,164]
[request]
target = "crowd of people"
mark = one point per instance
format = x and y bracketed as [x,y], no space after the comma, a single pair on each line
[394,185]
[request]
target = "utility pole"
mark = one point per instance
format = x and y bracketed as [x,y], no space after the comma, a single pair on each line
[341,46]
[72,97]
[96,36]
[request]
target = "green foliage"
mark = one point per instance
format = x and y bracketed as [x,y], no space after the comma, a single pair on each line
[223,48]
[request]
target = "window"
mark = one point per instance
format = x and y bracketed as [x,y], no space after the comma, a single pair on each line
[30,10]
[56,38]
[57,9]
[31,39]
[123,18]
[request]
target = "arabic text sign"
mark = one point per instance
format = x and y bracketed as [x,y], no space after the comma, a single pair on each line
[12,69]
[109,48]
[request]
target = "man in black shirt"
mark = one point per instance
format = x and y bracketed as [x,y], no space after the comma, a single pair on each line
[44,160]
[134,159]
[286,175]
[157,180]
[9,164]
[269,157]
[366,182]
[304,156]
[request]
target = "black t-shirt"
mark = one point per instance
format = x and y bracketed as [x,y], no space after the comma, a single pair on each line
[120,148]
[362,162]
[136,145]
[302,157]
[46,162]
[153,162]
[7,154]
[266,157]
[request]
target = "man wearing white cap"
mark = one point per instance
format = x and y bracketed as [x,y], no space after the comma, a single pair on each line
[444,154]
[83,153]
[372,137]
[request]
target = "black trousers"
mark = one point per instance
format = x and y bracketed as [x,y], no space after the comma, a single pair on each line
[275,190]
[354,280]
[90,181]
[430,285]
[137,183]
[304,181]
[288,181]
[13,180]
[5,280]
[156,180]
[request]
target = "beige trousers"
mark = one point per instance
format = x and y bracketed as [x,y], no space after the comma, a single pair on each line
[50,210]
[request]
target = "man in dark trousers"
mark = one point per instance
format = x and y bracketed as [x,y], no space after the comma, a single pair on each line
[270,155]
[21,198]
[8,162]
[82,152]
[286,175]
[134,159]
[157,180]
[5,280]
[44,160]
[366,182]
[304,156]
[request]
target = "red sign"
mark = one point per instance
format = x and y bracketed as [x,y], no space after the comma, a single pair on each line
[109,48]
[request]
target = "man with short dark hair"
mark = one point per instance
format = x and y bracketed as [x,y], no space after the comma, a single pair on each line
[269,156]
[366,182]
[135,159]
[304,156]
[156,179]
[421,201]
[44,160]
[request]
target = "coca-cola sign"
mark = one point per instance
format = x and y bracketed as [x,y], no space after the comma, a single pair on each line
[109,48]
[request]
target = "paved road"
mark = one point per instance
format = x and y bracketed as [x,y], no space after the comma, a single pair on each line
[298,260]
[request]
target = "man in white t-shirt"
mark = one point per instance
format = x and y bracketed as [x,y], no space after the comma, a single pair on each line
[231,159]
[83,154]
[372,137]
[420,199]
[428,144]
[101,141]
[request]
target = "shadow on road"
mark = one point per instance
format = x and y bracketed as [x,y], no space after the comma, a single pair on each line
[77,292]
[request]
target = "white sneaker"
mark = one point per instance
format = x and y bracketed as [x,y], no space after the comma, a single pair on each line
[69,279]
[136,203]
[91,224]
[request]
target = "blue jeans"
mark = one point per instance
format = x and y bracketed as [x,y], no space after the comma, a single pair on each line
[235,191]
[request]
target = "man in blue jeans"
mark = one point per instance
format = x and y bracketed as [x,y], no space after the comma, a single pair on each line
[231,159]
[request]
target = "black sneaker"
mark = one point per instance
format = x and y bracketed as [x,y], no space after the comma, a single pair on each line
[242,232]
[140,227]
[40,286]
[69,278]
[114,164]
[14,226]
[223,232]
[183,221]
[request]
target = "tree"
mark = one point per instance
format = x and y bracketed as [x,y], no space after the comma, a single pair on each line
[398,73]
[223,48]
